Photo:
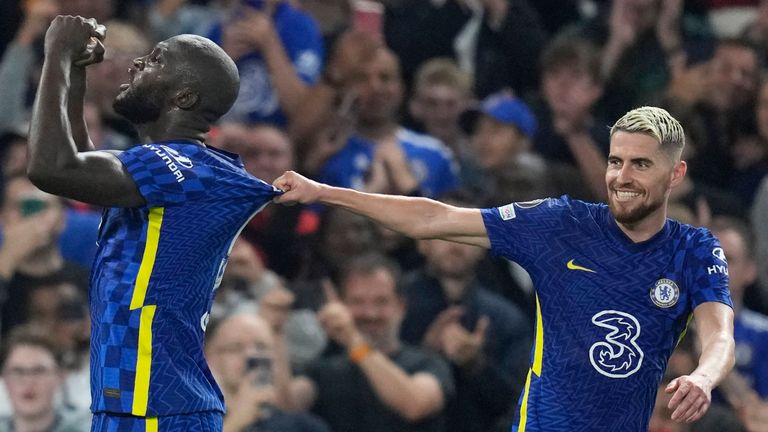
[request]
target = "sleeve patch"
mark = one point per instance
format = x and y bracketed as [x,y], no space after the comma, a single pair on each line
[507,212]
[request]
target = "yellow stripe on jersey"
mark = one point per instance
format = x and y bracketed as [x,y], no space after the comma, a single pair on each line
[538,352]
[685,330]
[538,355]
[151,424]
[524,404]
[148,260]
[143,362]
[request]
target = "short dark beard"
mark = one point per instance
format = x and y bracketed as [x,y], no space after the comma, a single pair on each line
[636,215]
[139,105]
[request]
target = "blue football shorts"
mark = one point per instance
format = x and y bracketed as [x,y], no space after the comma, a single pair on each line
[208,421]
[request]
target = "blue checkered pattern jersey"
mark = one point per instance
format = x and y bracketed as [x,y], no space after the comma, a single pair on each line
[609,311]
[155,275]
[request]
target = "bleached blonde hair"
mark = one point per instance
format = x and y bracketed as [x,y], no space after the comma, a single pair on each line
[656,123]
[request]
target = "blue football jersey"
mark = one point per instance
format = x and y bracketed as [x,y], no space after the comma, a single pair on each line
[609,311]
[750,331]
[154,277]
[431,162]
[257,100]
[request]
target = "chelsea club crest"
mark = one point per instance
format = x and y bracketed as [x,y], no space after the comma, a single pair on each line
[665,293]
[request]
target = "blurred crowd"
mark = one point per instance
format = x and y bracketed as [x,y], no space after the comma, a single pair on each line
[473,102]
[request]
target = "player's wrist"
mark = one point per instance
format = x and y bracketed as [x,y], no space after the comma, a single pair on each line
[58,49]
[59,62]
[704,380]
[325,194]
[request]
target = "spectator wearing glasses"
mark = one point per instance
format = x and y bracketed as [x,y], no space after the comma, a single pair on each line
[32,372]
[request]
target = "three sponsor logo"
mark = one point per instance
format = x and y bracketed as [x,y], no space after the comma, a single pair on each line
[617,355]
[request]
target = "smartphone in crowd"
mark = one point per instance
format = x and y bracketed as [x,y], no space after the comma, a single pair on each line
[260,367]
[368,17]
[30,206]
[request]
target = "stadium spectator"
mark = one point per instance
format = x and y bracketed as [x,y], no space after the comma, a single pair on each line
[642,46]
[503,134]
[244,287]
[758,216]
[78,239]
[333,16]
[704,200]
[168,18]
[19,69]
[277,49]
[441,94]
[750,327]
[374,382]
[18,61]
[750,150]
[372,158]
[725,94]
[508,47]
[246,359]
[438,23]
[570,130]
[485,338]
[342,236]
[502,142]
[30,255]
[33,374]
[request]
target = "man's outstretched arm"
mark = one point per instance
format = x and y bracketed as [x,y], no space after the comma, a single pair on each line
[692,393]
[55,163]
[419,218]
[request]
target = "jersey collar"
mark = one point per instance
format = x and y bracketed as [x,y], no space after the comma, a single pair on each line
[618,236]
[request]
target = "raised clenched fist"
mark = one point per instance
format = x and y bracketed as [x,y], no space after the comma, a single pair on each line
[76,38]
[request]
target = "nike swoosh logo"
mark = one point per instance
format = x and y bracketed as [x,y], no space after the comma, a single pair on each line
[572,266]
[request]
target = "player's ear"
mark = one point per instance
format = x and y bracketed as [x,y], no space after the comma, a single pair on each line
[678,172]
[186,98]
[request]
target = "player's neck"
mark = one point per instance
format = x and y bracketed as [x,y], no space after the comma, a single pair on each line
[645,229]
[169,128]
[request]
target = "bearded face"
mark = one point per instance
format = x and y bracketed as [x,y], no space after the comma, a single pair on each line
[629,214]
[140,103]
[639,178]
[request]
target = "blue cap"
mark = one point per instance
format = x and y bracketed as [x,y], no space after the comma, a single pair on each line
[510,110]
